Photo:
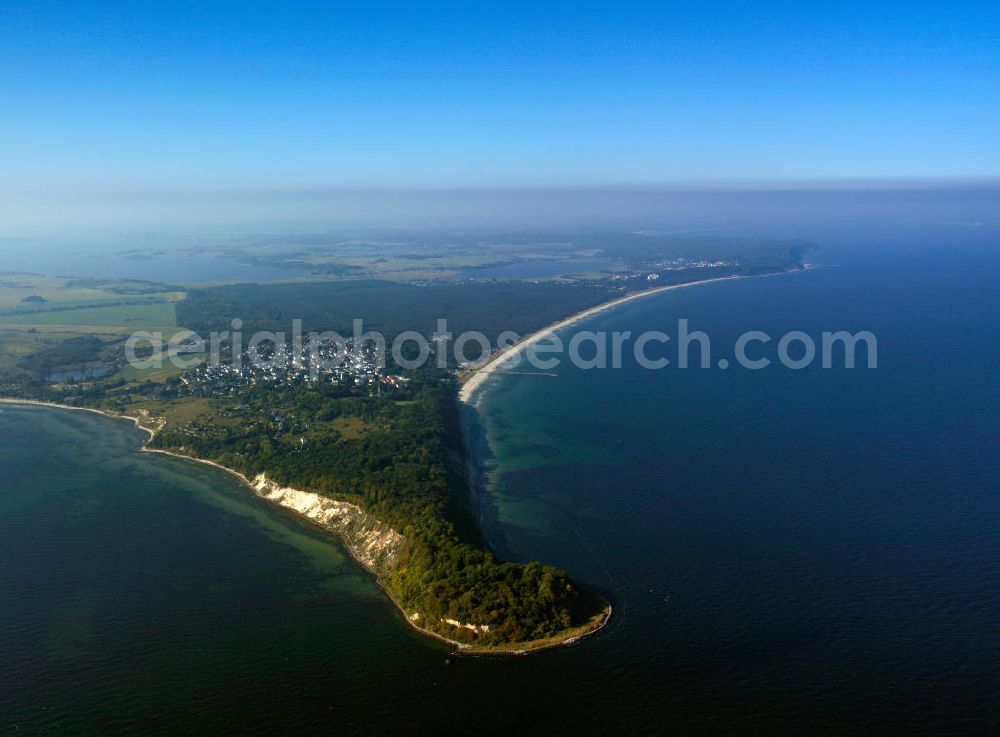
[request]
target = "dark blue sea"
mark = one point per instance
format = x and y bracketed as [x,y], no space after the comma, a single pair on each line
[811,551]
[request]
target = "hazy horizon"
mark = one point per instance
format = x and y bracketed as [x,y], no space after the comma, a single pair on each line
[231,119]
[68,214]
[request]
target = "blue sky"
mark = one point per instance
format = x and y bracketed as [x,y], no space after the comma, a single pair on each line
[186,95]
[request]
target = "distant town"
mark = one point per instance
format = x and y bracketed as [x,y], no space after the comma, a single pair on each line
[352,364]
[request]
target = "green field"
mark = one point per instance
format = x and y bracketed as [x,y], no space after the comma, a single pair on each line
[16,345]
[149,314]
[85,305]
[15,287]
[76,324]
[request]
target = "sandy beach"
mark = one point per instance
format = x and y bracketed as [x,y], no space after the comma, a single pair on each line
[482,374]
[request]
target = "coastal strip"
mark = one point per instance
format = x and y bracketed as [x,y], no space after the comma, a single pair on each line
[309,506]
[110,415]
[481,374]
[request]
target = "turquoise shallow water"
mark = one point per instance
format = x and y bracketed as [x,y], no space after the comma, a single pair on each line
[812,549]
[787,551]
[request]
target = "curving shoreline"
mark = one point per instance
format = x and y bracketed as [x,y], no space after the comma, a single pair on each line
[469,387]
[481,374]
[595,624]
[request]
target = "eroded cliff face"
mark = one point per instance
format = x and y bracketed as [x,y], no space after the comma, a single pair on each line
[378,548]
[373,544]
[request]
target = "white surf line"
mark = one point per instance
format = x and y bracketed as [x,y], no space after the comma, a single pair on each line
[484,372]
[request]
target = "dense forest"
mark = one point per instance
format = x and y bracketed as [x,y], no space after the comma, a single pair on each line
[488,307]
[401,458]
[388,307]
[397,454]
